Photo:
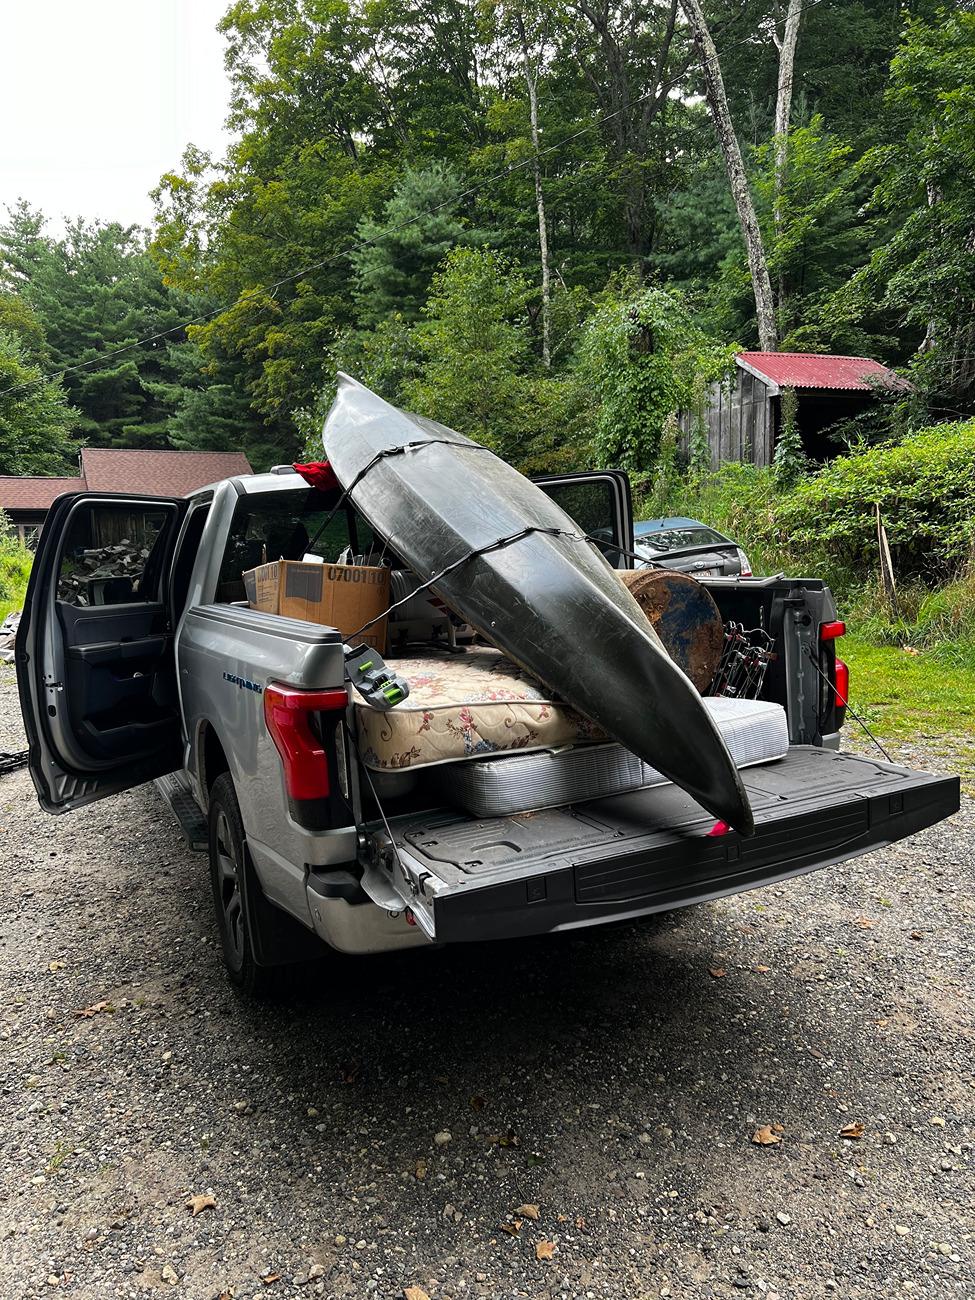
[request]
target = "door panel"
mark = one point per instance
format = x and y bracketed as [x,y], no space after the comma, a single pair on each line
[600,504]
[95,648]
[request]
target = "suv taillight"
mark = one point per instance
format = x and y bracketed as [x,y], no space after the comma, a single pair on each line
[304,725]
[745,564]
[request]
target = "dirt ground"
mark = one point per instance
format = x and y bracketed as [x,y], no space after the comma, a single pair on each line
[563,1118]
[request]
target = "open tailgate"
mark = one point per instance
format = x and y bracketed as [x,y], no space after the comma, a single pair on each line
[650,850]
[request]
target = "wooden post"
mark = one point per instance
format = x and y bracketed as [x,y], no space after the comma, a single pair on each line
[887,585]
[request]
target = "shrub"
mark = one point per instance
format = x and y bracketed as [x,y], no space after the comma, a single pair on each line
[15,562]
[925,487]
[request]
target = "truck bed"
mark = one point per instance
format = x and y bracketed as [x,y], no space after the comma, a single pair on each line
[650,850]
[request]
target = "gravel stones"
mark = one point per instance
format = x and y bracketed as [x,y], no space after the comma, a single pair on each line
[592,1058]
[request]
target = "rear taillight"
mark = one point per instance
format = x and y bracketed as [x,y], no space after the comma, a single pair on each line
[841,685]
[303,725]
[834,675]
[744,564]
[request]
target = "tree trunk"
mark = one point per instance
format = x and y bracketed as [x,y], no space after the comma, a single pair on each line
[531,79]
[783,97]
[783,116]
[738,181]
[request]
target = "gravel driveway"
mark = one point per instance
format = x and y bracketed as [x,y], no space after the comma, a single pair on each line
[396,1123]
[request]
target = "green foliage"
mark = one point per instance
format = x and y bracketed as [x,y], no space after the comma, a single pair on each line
[402,250]
[476,351]
[789,462]
[93,291]
[35,418]
[922,271]
[641,358]
[15,562]
[925,487]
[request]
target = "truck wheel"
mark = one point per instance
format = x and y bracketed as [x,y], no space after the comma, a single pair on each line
[227,866]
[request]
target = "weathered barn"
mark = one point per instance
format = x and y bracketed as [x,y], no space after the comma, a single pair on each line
[743,419]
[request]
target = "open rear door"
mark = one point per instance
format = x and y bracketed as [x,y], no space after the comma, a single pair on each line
[600,504]
[95,666]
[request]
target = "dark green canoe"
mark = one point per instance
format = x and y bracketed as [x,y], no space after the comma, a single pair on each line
[548,599]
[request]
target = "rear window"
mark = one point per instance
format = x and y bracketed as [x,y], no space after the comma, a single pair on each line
[284,526]
[675,539]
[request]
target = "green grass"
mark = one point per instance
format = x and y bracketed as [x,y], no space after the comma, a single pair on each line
[922,698]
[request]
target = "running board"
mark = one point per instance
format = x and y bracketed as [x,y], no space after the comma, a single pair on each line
[185,809]
[652,850]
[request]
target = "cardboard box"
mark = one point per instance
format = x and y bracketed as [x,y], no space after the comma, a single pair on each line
[339,595]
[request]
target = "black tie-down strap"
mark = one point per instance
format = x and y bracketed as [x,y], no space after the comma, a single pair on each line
[382,455]
[464,559]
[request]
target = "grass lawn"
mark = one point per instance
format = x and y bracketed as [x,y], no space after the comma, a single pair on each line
[914,698]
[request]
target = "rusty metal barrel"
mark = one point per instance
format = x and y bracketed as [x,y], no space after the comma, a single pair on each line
[684,616]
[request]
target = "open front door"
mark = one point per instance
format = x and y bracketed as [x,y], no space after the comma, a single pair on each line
[600,504]
[95,666]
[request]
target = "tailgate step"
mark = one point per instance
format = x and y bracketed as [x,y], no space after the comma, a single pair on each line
[649,850]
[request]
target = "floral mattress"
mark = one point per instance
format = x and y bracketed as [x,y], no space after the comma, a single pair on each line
[467,704]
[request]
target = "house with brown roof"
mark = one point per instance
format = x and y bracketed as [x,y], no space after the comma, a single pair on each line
[146,473]
[743,419]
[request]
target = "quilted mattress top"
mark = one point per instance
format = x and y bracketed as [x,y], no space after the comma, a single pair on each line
[476,703]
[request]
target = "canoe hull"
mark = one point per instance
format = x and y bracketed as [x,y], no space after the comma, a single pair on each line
[549,600]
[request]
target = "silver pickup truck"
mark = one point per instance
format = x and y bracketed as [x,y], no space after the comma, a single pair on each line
[139,659]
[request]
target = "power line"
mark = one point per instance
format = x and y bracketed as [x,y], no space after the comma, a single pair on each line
[269,290]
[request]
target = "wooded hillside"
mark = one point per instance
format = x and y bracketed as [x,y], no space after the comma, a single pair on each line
[547,224]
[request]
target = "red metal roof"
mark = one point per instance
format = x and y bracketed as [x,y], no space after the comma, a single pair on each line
[158,473]
[150,473]
[820,370]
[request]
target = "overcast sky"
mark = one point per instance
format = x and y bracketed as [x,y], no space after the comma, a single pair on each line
[99,97]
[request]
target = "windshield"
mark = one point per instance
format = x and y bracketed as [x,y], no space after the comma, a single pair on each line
[676,539]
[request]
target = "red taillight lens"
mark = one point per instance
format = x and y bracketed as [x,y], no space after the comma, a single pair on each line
[288,714]
[830,631]
[841,688]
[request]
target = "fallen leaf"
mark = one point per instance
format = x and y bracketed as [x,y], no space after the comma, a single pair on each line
[271,1277]
[512,1228]
[855,1129]
[766,1136]
[421,1169]
[813,1051]
[580,1222]
[96,1008]
[55,965]
[917,934]
[477,1103]
[509,1139]
[718,972]
[937,1120]
[544,1249]
[864,923]
[910,650]
[197,1204]
[414,1293]
[763,970]
[528,1211]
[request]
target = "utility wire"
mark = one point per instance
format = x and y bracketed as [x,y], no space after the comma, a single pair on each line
[269,290]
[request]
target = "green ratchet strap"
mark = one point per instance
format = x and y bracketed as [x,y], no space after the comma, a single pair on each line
[378,686]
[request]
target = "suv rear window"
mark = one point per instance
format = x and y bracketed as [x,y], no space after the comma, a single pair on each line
[283,526]
[675,539]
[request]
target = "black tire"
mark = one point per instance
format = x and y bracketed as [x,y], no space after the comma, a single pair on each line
[227,868]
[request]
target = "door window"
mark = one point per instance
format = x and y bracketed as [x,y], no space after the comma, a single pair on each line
[594,503]
[113,554]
